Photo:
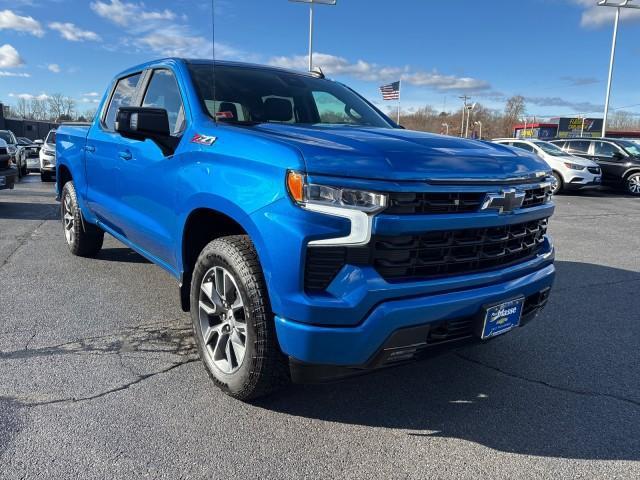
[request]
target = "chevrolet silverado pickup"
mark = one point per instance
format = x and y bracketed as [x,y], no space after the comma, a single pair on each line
[311,237]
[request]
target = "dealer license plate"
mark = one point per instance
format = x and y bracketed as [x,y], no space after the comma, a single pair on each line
[501,318]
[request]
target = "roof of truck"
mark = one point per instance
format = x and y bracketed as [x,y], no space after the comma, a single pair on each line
[202,61]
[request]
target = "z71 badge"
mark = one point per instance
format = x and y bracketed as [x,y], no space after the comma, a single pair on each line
[203,139]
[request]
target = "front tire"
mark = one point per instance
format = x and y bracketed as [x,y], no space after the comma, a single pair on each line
[632,184]
[557,184]
[83,239]
[232,320]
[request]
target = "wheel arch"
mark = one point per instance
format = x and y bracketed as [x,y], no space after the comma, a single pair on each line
[204,223]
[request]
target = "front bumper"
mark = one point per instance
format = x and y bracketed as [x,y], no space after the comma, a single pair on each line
[8,178]
[364,346]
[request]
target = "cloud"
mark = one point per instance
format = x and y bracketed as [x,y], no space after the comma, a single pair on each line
[4,73]
[579,81]
[582,107]
[9,57]
[595,16]
[91,94]
[29,96]
[53,67]
[372,72]
[11,21]
[71,32]
[176,41]
[126,13]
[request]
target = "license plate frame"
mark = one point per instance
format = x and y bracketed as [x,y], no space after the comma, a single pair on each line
[501,318]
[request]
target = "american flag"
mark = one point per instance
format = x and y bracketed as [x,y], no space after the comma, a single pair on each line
[391,91]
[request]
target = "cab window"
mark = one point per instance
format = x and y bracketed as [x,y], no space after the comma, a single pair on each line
[163,92]
[123,96]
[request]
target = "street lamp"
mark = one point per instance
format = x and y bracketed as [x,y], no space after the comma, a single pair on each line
[470,110]
[311,4]
[446,126]
[618,4]
[478,123]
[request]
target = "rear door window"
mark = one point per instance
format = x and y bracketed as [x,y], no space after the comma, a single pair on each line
[123,96]
[523,146]
[604,149]
[578,146]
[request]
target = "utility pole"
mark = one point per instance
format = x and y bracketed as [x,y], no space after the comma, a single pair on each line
[464,98]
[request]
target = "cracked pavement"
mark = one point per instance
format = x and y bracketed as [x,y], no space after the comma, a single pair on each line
[99,376]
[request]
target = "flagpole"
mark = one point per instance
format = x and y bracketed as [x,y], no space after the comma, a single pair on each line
[399,91]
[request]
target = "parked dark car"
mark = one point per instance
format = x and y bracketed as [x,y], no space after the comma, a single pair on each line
[619,159]
[13,150]
[8,174]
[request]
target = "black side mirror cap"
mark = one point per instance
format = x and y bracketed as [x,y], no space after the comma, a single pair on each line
[141,123]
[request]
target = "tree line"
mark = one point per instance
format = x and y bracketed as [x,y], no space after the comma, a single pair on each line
[495,123]
[50,108]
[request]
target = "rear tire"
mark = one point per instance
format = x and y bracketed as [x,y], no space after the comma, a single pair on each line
[232,320]
[632,184]
[83,239]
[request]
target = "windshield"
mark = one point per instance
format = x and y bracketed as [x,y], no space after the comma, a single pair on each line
[7,137]
[255,95]
[632,148]
[550,149]
[51,138]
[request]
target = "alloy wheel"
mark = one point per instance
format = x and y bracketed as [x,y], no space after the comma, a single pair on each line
[223,320]
[68,219]
[633,184]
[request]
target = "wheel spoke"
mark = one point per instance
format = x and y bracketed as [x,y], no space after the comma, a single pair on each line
[238,346]
[212,295]
[227,353]
[220,278]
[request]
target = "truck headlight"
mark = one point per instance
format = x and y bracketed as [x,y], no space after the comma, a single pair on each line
[358,206]
[574,166]
[305,193]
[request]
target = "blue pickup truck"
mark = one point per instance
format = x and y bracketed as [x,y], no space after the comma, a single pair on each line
[311,237]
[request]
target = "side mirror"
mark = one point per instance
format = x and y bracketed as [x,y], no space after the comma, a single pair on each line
[141,123]
[618,156]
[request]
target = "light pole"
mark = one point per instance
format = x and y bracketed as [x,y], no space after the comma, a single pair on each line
[478,123]
[617,4]
[446,126]
[311,4]
[470,109]
[464,98]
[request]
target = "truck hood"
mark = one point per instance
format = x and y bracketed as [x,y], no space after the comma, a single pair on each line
[396,154]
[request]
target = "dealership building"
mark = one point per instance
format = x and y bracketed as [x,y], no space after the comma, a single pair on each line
[568,128]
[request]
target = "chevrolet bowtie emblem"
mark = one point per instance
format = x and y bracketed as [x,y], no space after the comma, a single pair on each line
[505,202]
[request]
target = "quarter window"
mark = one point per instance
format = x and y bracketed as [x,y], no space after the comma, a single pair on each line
[123,96]
[163,92]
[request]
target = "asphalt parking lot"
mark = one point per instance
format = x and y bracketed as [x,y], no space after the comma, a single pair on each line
[98,376]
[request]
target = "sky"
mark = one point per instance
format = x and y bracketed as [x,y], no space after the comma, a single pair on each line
[553,52]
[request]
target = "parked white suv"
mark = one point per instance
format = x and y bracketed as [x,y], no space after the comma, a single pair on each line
[570,172]
[48,158]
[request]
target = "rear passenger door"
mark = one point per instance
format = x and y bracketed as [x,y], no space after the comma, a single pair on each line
[611,159]
[149,178]
[579,148]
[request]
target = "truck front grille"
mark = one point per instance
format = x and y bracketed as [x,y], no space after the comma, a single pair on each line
[433,203]
[431,254]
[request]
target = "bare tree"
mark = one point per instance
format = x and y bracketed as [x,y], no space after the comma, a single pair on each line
[513,112]
[56,104]
[38,108]
[22,108]
[69,106]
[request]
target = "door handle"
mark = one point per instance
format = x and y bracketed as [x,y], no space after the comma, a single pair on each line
[89,148]
[126,155]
